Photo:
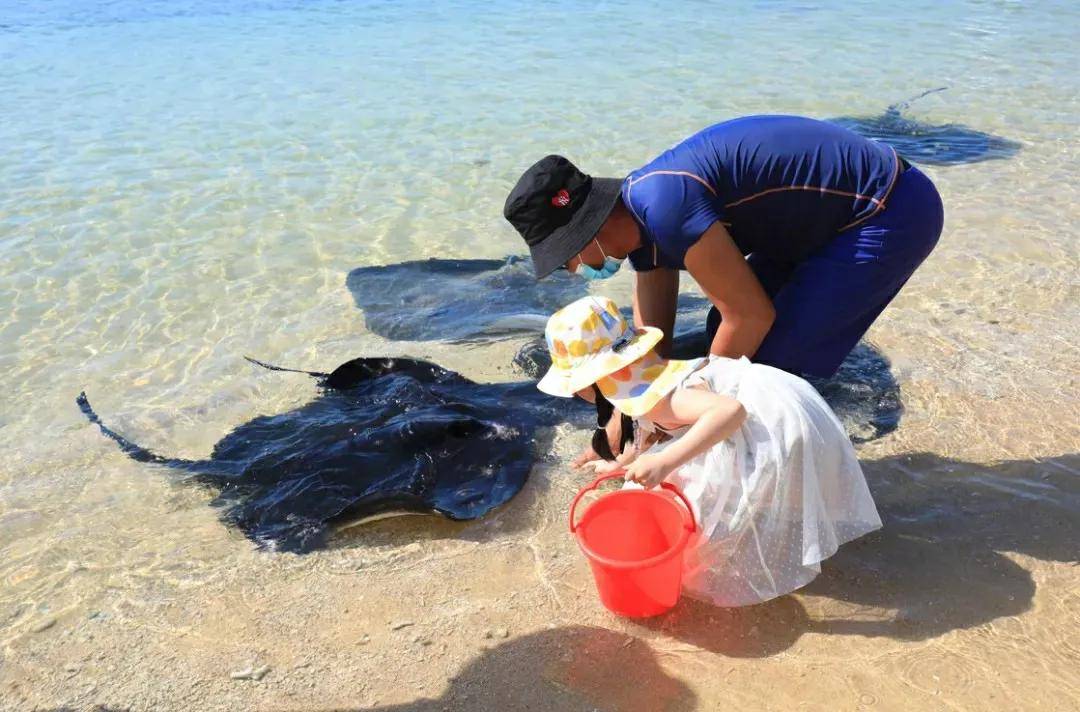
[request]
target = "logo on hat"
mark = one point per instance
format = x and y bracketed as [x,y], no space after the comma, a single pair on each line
[561,199]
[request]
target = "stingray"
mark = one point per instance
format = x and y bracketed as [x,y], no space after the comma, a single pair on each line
[473,301]
[932,144]
[459,300]
[385,435]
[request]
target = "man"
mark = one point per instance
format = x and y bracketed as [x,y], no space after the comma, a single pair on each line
[799,232]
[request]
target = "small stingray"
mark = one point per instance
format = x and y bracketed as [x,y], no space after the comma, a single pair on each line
[938,145]
[384,436]
[459,300]
[474,301]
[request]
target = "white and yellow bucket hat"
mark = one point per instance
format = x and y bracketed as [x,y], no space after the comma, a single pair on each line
[590,342]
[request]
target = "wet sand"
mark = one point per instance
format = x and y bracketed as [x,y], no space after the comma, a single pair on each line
[967,599]
[128,593]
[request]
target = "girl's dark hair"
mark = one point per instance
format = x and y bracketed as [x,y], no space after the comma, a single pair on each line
[604,411]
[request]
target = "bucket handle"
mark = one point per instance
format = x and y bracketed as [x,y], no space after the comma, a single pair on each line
[621,474]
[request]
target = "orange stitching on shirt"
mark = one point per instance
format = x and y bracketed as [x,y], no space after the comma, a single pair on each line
[873,200]
[880,205]
[630,183]
[630,203]
[685,174]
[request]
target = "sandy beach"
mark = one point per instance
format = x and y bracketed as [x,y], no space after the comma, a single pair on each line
[967,599]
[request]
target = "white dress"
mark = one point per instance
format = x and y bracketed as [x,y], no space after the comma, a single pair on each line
[777,497]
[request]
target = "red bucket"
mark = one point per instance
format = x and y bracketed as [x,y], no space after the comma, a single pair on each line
[634,541]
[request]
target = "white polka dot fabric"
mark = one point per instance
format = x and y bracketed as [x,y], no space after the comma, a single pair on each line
[775,499]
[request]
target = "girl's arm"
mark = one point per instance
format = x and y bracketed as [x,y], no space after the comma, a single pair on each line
[712,418]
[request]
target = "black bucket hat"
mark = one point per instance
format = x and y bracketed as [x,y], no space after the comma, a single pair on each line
[558,210]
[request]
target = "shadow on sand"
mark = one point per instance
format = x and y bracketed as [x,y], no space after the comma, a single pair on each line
[938,564]
[573,668]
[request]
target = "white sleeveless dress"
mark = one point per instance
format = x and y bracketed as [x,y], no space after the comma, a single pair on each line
[776,498]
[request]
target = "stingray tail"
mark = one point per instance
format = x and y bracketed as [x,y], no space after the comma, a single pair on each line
[135,452]
[897,108]
[272,367]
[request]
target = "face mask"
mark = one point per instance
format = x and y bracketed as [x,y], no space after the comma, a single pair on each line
[611,266]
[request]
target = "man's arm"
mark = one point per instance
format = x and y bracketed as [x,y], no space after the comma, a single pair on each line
[723,274]
[656,294]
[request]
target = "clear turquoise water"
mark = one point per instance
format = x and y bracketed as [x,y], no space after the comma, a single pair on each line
[182,183]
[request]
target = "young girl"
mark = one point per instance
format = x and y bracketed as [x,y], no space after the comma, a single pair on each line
[772,477]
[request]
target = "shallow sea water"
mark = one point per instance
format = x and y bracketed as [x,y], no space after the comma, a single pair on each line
[184,183]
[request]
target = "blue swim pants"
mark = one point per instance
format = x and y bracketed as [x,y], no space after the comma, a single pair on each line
[825,303]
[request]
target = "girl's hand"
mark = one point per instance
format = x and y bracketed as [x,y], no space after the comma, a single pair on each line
[587,457]
[648,470]
[603,467]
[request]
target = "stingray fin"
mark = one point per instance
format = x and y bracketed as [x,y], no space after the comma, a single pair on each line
[272,367]
[897,108]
